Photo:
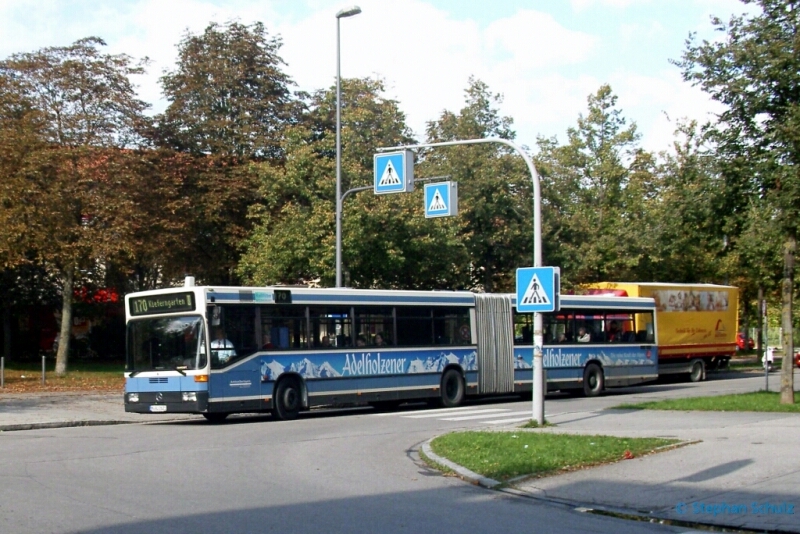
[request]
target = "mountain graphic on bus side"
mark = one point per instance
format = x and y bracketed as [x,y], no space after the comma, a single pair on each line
[437,364]
[271,370]
[305,368]
[520,363]
[309,369]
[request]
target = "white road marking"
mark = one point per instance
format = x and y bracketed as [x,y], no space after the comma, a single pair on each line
[484,415]
[469,413]
[492,412]
[439,411]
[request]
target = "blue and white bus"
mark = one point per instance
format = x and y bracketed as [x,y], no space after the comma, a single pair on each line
[221,350]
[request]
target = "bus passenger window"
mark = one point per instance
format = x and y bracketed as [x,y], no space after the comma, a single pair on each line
[527,334]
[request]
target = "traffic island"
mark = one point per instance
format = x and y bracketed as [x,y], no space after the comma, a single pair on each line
[496,458]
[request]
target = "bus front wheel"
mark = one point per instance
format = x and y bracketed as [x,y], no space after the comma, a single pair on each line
[592,380]
[287,400]
[452,389]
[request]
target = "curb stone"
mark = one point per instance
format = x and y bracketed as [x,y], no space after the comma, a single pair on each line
[463,472]
[60,424]
[73,424]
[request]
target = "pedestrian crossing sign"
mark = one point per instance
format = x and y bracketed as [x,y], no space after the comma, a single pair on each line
[538,289]
[441,199]
[394,172]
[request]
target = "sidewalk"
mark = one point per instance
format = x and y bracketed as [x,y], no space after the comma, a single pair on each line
[26,411]
[741,472]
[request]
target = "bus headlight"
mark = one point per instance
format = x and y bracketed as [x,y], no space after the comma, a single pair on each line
[133,397]
[189,396]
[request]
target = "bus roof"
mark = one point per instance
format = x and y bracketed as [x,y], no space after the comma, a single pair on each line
[306,295]
[388,297]
[573,302]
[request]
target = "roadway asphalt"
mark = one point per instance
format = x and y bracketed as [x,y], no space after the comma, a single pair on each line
[738,470]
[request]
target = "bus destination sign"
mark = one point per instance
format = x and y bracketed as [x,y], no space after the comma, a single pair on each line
[283,296]
[174,302]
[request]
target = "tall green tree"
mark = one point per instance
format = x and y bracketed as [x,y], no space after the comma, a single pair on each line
[164,237]
[228,95]
[687,224]
[22,278]
[495,190]
[229,104]
[22,132]
[593,212]
[754,71]
[386,242]
[64,190]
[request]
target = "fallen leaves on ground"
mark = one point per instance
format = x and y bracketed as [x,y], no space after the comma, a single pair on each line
[90,382]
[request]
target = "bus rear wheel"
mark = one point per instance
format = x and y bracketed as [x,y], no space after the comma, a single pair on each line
[287,400]
[593,380]
[452,389]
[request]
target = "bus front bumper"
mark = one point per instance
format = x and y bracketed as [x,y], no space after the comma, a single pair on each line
[167,402]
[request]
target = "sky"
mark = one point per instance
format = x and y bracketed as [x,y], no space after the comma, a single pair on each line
[545,57]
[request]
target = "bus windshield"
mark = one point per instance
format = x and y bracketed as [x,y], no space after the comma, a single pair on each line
[166,343]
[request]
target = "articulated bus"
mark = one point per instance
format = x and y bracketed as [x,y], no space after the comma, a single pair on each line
[221,350]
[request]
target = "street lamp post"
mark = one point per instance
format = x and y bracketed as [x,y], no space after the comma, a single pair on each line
[349,12]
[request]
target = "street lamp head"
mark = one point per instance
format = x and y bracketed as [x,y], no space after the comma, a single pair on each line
[349,12]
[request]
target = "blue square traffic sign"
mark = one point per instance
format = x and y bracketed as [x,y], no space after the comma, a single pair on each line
[538,289]
[394,172]
[441,199]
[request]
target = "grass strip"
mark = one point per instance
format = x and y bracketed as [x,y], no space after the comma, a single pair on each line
[757,401]
[507,455]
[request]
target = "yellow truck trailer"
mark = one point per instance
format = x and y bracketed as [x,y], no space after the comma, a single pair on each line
[697,323]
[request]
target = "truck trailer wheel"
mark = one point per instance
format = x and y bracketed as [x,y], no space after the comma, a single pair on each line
[698,371]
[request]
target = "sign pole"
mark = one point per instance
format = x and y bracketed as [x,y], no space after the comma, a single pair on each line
[538,369]
[766,346]
[538,338]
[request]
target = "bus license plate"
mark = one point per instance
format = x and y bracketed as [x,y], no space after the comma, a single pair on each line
[158,408]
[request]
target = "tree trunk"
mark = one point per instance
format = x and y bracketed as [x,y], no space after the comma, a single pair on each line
[787,286]
[66,321]
[488,276]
